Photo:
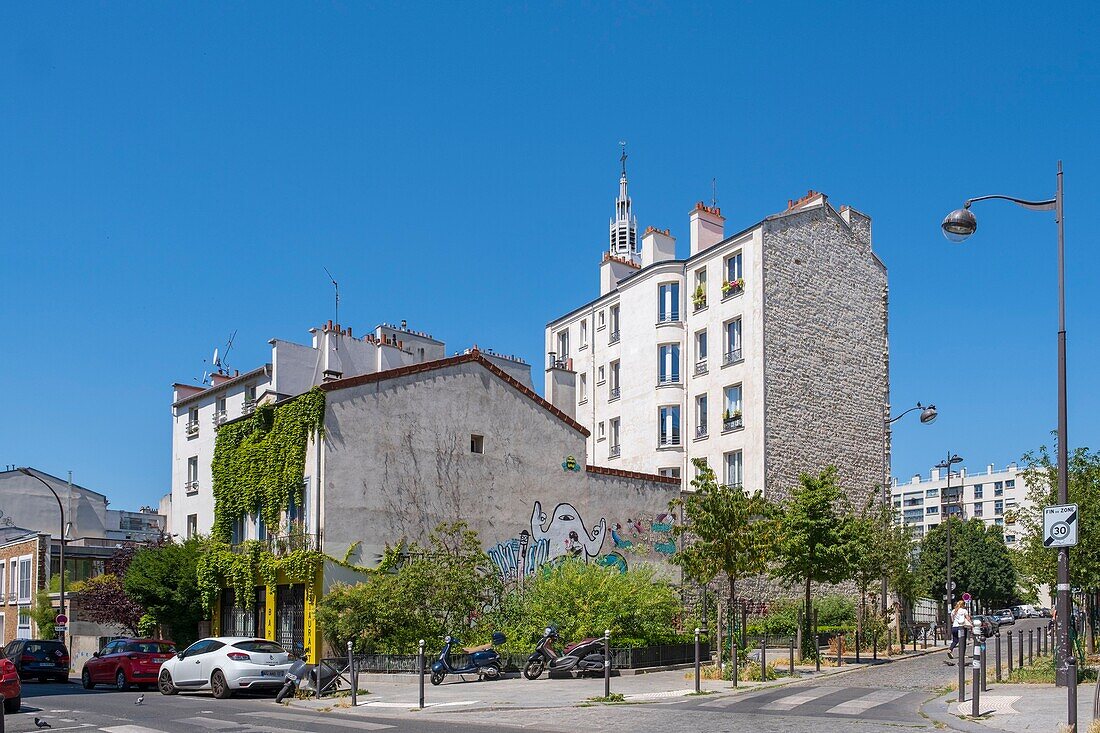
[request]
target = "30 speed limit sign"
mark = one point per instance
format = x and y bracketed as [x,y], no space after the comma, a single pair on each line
[1060,525]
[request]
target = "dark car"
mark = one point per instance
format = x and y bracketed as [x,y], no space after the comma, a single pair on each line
[127,662]
[46,659]
[988,625]
[1004,616]
[1045,612]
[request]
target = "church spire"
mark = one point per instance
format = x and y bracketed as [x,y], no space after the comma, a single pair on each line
[624,226]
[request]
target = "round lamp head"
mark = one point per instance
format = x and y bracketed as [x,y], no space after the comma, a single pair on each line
[959,224]
[929,415]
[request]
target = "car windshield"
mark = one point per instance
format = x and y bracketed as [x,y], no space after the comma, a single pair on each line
[260,646]
[151,647]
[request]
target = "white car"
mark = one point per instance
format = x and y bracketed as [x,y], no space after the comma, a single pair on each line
[224,664]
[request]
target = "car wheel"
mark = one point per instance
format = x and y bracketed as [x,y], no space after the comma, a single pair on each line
[12,704]
[164,683]
[219,686]
[120,681]
[86,679]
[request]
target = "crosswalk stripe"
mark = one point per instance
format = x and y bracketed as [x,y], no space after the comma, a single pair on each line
[211,723]
[130,729]
[326,720]
[865,703]
[792,701]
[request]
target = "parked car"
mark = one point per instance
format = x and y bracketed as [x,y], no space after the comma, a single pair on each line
[1045,612]
[127,662]
[46,659]
[11,689]
[1005,616]
[988,625]
[225,664]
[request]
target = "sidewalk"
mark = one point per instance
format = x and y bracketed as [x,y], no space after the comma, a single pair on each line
[398,694]
[1016,708]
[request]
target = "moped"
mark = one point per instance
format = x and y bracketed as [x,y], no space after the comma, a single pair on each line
[583,656]
[484,660]
[303,676]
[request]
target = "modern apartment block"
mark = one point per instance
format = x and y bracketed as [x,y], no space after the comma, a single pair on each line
[764,352]
[995,496]
[334,353]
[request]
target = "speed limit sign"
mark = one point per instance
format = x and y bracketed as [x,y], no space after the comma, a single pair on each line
[1060,525]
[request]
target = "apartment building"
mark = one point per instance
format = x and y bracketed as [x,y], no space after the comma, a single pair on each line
[994,495]
[763,352]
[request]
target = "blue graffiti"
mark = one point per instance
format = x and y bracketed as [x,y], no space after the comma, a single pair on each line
[508,555]
[612,560]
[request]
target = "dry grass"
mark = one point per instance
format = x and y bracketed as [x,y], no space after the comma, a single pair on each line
[1094,726]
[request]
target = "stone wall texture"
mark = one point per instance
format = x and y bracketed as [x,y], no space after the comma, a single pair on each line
[826,356]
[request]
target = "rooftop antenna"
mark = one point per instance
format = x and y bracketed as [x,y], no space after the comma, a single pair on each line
[714,193]
[337,287]
[223,364]
[622,157]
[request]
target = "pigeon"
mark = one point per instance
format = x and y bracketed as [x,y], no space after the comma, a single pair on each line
[41,723]
[140,700]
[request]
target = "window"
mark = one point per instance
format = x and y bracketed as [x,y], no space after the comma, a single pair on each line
[236,533]
[192,485]
[600,378]
[260,528]
[998,488]
[219,405]
[477,443]
[668,363]
[600,321]
[582,388]
[999,522]
[733,342]
[613,449]
[3,589]
[701,352]
[249,399]
[977,491]
[600,434]
[613,337]
[420,354]
[701,416]
[192,525]
[613,387]
[192,422]
[734,268]
[668,431]
[668,302]
[978,509]
[932,493]
[563,345]
[932,510]
[25,579]
[998,507]
[734,469]
[699,293]
[296,513]
[671,472]
[1010,484]
[13,581]
[731,411]
[1010,538]
[584,334]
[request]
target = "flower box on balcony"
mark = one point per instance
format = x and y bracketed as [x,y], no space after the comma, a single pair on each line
[732,287]
[732,421]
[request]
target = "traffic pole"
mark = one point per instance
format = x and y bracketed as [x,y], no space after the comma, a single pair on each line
[997,652]
[764,658]
[697,630]
[1021,665]
[962,664]
[985,677]
[1009,635]
[1031,646]
[607,663]
[420,670]
[976,665]
[351,675]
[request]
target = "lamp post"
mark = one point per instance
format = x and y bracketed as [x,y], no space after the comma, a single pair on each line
[947,463]
[60,537]
[927,417]
[957,226]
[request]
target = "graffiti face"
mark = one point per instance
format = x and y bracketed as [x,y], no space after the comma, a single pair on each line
[565,533]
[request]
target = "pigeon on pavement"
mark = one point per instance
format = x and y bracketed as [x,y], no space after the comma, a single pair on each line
[41,723]
[140,700]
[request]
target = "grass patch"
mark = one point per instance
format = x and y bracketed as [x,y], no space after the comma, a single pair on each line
[613,697]
[1042,672]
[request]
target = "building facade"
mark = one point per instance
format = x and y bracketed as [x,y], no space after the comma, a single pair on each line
[764,353]
[994,495]
[24,571]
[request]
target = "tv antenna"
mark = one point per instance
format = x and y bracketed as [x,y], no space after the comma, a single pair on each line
[336,286]
[714,193]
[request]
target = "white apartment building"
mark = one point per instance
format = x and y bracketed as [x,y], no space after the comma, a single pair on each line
[335,353]
[995,495]
[763,352]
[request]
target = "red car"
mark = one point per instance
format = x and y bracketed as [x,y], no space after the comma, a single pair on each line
[10,686]
[127,662]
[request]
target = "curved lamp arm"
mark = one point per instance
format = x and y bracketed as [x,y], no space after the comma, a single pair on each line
[919,406]
[1045,205]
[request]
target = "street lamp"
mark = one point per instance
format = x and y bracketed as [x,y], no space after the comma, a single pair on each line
[957,226]
[947,463]
[60,537]
[928,416]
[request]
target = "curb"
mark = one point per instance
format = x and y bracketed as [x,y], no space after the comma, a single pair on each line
[936,711]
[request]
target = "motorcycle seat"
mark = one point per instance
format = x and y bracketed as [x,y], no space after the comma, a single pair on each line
[473,649]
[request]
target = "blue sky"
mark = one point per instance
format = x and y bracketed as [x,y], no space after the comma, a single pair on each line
[175,172]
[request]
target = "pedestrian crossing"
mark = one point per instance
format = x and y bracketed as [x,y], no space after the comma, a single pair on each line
[838,702]
[251,722]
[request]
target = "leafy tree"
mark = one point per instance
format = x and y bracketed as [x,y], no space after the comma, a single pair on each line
[44,614]
[164,581]
[104,600]
[729,532]
[980,562]
[814,540]
[880,548]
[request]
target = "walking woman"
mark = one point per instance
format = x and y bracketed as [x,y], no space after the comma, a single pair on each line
[960,619]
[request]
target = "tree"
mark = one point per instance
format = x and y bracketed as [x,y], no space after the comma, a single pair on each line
[104,600]
[44,614]
[814,540]
[729,532]
[164,581]
[980,562]
[880,548]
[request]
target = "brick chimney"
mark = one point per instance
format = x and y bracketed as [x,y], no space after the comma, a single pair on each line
[707,227]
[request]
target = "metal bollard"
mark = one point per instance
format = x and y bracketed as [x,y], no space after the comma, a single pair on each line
[976,683]
[817,644]
[839,650]
[857,646]
[1009,635]
[1021,648]
[607,663]
[874,644]
[997,652]
[764,658]
[1031,646]
[420,670]
[985,677]
[1071,684]
[914,639]
[351,676]
[924,645]
[792,656]
[962,664]
[317,678]
[697,630]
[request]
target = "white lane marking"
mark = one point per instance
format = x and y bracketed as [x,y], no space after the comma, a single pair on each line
[413,704]
[362,725]
[211,723]
[130,729]
[865,703]
[792,701]
[75,727]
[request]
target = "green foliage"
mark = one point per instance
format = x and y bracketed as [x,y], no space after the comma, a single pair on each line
[980,562]
[43,614]
[1038,564]
[834,612]
[583,600]
[259,462]
[222,565]
[147,625]
[164,580]
[416,593]
[55,582]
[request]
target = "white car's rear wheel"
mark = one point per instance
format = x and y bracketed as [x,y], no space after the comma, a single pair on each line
[219,686]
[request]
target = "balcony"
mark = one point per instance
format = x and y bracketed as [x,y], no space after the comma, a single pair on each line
[733,288]
[192,428]
[700,431]
[612,394]
[733,422]
[192,487]
[666,379]
[559,362]
[700,367]
[668,317]
[732,356]
[219,417]
[669,441]
[699,304]
[613,451]
[613,338]
[287,543]
[249,406]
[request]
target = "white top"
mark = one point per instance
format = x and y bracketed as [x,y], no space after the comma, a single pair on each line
[960,618]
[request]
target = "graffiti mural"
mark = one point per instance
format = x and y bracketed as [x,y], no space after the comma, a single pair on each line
[563,533]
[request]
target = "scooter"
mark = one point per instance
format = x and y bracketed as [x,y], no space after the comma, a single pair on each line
[303,676]
[580,657]
[484,660]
